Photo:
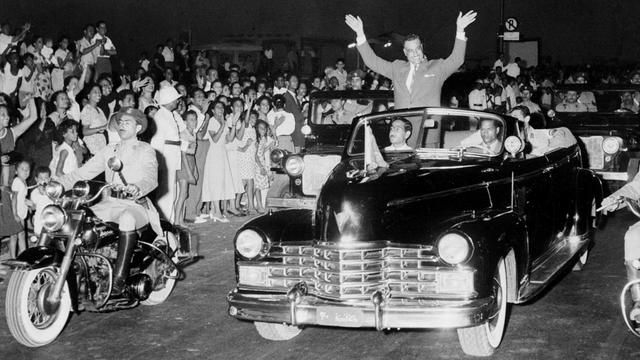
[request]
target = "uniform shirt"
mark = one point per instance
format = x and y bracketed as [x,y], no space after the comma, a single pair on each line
[287,127]
[168,127]
[139,167]
[108,45]
[571,107]
[477,99]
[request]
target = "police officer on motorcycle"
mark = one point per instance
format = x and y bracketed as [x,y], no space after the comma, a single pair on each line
[126,205]
[631,240]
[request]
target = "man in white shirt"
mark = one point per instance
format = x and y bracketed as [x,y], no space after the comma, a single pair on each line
[488,142]
[526,93]
[339,73]
[103,53]
[399,132]
[513,68]
[167,54]
[283,123]
[166,142]
[499,63]
[6,40]
[478,97]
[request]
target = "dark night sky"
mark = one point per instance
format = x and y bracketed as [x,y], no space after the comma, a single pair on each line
[572,31]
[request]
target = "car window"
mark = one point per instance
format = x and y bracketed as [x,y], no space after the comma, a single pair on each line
[424,133]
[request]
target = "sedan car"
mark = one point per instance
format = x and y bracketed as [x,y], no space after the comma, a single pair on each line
[299,177]
[443,234]
[609,128]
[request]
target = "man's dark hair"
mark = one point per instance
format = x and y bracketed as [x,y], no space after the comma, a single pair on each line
[340,60]
[411,37]
[101,22]
[123,94]
[407,124]
[523,109]
[41,170]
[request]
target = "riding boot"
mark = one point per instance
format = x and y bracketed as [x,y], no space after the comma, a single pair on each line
[634,274]
[126,244]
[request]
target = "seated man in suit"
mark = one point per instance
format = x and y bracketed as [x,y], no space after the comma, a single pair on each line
[399,132]
[486,140]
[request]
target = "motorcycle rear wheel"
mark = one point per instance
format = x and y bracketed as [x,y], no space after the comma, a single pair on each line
[28,322]
[162,292]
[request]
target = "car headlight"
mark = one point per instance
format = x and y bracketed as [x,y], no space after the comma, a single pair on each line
[250,244]
[276,156]
[53,217]
[305,129]
[551,113]
[513,145]
[611,145]
[54,190]
[454,248]
[294,165]
[81,189]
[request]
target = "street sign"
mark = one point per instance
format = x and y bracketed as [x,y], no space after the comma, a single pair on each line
[511,36]
[511,24]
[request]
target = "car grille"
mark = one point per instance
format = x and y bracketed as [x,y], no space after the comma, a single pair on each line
[593,145]
[337,273]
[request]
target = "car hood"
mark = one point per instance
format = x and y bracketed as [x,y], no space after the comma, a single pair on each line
[412,195]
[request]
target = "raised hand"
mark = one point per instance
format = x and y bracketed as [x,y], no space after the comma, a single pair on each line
[355,23]
[466,19]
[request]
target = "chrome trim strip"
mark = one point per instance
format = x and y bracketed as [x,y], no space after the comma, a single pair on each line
[296,203]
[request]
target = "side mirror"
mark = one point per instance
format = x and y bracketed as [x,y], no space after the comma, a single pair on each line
[114,164]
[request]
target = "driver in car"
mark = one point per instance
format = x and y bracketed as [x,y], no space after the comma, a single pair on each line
[140,171]
[399,132]
[485,139]
[338,115]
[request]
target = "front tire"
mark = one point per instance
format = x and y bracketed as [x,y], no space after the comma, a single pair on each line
[484,339]
[162,285]
[277,332]
[29,324]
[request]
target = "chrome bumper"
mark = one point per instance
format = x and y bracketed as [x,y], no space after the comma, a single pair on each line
[293,203]
[390,313]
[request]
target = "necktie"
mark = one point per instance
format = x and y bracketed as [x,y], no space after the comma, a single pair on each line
[410,76]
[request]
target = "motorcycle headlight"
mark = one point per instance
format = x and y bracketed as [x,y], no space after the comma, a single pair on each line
[294,165]
[454,248]
[81,189]
[611,145]
[276,156]
[250,244]
[54,190]
[53,217]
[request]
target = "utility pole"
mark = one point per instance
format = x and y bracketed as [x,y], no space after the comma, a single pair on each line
[500,45]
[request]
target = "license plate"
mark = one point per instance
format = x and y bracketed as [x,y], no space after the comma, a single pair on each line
[332,316]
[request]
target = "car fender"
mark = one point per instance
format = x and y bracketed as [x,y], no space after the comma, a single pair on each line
[588,188]
[498,235]
[284,226]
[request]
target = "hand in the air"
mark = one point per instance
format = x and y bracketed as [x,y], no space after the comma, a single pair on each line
[466,19]
[355,23]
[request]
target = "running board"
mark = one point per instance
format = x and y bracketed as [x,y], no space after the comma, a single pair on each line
[566,250]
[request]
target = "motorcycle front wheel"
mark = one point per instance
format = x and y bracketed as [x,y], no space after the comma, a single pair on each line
[163,280]
[28,321]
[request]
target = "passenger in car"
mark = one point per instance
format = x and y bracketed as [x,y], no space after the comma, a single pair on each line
[542,140]
[487,141]
[571,104]
[627,102]
[338,115]
[399,132]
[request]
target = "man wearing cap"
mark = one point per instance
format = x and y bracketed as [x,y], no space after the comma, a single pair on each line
[139,177]
[417,81]
[526,93]
[166,141]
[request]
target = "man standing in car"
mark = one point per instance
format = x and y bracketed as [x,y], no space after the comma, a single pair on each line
[417,81]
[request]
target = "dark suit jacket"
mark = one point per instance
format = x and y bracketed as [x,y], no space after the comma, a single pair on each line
[428,80]
[292,106]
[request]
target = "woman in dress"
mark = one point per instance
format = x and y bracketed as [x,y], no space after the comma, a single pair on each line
[73,86]
[9,135]
[247,155]
[199,105]
[94,122]
[217,183]
[264,143]
[234,123]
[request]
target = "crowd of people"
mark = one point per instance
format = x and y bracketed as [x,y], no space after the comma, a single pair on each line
[212,125]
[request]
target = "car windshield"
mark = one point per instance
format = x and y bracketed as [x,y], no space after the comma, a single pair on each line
[433,133]
[342,110]
[584,99]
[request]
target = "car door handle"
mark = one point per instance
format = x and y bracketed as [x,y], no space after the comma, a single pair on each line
[547,169]
[489,170]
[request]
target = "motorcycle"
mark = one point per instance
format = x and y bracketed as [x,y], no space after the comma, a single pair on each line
[71,268]
[626,303]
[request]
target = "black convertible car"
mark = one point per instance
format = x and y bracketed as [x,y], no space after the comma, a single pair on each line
[442,235]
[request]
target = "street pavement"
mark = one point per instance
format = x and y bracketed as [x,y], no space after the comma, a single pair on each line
[577,318]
